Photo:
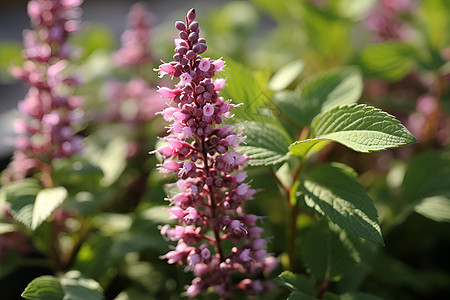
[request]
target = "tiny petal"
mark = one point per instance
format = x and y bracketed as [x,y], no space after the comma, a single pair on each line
[208,110]
[204,64]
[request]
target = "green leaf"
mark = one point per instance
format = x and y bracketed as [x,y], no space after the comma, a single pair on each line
[265,144]
[21,195]
[329,89]
[111,159]
[341,86]
[296,283]
[333,190]
[72,286]
[78,287]
[44,288]
[427,175]
[435,208]
[243,87]
[286,75]
[47,200]
[360,127]
[324,254]
[388,60]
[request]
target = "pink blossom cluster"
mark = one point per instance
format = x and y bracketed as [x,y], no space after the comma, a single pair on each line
[215,238]
[135,40]
[47,127]
[385,20]
[136,101]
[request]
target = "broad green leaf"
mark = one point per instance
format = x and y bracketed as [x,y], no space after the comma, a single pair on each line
[265,144]
[78,287]
[324,254]
[427,175]
[358,126]
[71,286]
[243,87]
[341,86]
[329,89]
[435,208]
[111,159]
[47,200]
[286,75]
[21,195]
[296,283]
[76,174]
[44,288]
[388,60]
[334,191]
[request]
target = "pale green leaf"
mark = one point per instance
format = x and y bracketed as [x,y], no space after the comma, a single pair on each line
[359,127]
[296,283]
[340,86]
[427,175]
[265,144]
[21,195]
[286,75]
[388,60]
[335,192]
[243,87]
[78,287]
[326,90]
[47,200]
[435,208]
[44,288]
[113,160]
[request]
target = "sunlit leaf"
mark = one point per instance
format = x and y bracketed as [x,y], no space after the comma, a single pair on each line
[340,86]
[435,208]
[359,127]
[47,200]
[334,191]
[388,60]
[286,75]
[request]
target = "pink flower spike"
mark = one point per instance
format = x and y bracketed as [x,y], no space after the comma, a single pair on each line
[204,64]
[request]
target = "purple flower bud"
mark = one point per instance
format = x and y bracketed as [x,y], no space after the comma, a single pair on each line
[193,36]
[183,35]
[180,26]
[191,54]
[193,26]
[191,15]
[199,48]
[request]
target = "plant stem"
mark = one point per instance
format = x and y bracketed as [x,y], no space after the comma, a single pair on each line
[292,236]
[212,202]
